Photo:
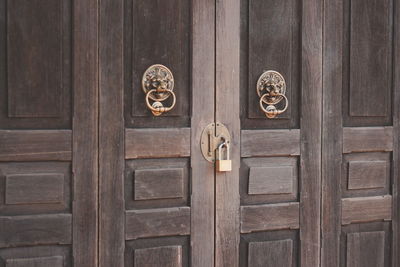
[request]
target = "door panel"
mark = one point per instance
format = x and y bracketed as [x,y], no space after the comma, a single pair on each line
[48,146]
[157,191]
[360,134]
[271,198]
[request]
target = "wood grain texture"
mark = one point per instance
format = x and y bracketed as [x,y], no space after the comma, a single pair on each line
[157,143]
[35,145]
[34,57]
[370,55]
[331,133]
[111,135]
[366,249]
[227,112]
[34,188]
[35,230]
[271,253]
[269,217]
[396,140]
[366,209]
[271,180]
[85,134]
[270,143]
[171,49]
[55,261]
[202,217]
[364,139]
[158,183]
[367,174]
[264,163]
[310,125]
[170,256]
[157,222]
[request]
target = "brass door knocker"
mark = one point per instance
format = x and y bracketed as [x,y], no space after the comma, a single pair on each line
[271,88]
[158,85]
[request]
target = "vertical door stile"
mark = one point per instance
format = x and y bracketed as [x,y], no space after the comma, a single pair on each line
[202,171]
[311,121]
[111,135]
[331,130]
[227,112]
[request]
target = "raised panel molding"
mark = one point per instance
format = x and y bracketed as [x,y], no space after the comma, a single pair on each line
[158,183]
[367,174]
[55,261]
[271,253]
[271,180]
[168,256]
[34,188]
[34,58]
[370,56]
[366,249]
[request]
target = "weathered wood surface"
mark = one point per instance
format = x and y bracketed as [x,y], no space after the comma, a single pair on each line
[364,139]
[157,222]
[157,143]
[366,209]
[227,112]
[34,145]
[270,143]
[85,159]
[111,135]
[269,217]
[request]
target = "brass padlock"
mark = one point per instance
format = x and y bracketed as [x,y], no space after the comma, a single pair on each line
[224,165]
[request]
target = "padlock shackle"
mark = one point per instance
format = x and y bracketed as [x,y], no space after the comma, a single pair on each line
[220,150]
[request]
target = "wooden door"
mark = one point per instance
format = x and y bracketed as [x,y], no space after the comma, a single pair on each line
[360,171]
[48,133]
[268,207]
[156,189]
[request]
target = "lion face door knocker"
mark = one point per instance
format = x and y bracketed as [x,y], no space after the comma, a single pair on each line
[271,88]
[158,85]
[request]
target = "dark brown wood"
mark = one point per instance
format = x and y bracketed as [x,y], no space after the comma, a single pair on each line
[366,209]
[85,134]
[34,188]
[271,180]
[271,253]
[310,124]
[159,183]
[170,256]
[157,222]
[364,139]
[366,249]
[35,79]
[270,143]
[227,112]
[367,174]
[24,145]
[157,143]
[111,135]
[56,261]
[269,217]
[34,50]
[202,217]
[331,133]
[396,140]
[35,230]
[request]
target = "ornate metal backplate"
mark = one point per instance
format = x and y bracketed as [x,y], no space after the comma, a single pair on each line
[158,77]
[212,136]
[273,84]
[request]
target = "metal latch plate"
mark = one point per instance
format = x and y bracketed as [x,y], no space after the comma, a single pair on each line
[213,135]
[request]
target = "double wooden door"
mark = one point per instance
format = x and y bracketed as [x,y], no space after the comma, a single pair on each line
[90,177]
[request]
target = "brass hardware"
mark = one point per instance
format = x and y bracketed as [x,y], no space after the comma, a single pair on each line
[271,88]
[213,135]
[158,85]
[224,165]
